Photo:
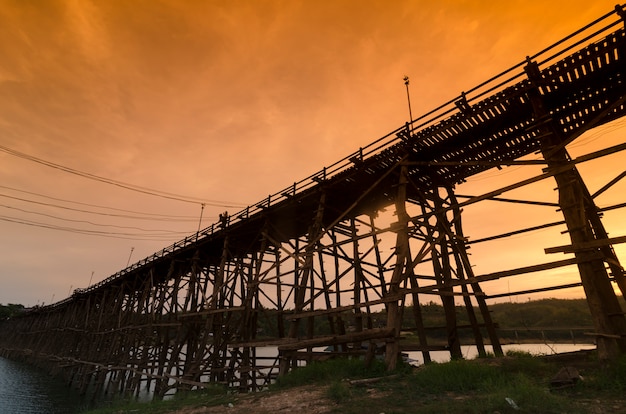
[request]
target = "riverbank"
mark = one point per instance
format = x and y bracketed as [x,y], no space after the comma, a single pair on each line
[517,383]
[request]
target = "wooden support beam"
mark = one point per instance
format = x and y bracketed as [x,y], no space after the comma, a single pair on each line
[429,348]
[507,273]
[367,335]
[327,311]
[538,290]
[609,184]
[210,312]
[603,335]
[513,233]
[590,245]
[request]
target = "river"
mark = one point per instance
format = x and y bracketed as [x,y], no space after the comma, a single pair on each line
[26,390]
[470,352]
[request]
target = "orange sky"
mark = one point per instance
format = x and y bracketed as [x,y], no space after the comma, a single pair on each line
[228,102]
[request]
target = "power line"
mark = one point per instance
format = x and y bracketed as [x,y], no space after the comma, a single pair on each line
[116,235]
[132,187]
[92,223]
[187,218]
[92,212]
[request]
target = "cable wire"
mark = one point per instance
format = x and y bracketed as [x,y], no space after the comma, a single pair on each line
[132,187]
[184,218]
[178,233]
[116,235]
[91,212]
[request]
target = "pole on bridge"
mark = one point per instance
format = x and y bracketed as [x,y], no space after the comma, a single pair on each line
[132,249]
[408,98]
[200,221]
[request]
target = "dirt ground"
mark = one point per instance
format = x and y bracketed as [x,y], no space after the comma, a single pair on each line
[303,400]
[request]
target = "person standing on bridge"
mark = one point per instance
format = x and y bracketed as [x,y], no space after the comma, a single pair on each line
[223,219]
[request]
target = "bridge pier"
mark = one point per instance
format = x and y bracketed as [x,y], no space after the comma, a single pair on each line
[437,230]
[584,226]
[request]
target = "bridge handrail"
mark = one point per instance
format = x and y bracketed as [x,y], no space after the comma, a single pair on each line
[496,83]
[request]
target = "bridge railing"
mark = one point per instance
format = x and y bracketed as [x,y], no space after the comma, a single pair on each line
[594,31]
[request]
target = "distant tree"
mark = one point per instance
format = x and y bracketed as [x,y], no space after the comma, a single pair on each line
[7,311]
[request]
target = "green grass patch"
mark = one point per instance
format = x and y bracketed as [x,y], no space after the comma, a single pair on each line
[509,385]
[211,396]
[456,376]
[331,370]
[339,391]
[611,378]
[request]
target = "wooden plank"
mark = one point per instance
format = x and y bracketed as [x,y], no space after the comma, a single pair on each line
[378,333]
[321,312]
[609,184]
[429,348]
[211,312]
[260,343]
[602,335]
[525,292]
[586,246]
[513,233]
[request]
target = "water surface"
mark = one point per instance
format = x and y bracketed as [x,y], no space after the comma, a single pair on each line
[27,390]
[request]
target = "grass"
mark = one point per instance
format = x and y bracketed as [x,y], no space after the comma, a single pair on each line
[519,383]
[331,370]
[198,398]
[457,387]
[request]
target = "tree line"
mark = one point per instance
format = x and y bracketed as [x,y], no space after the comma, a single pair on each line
[9,310]
[541,320]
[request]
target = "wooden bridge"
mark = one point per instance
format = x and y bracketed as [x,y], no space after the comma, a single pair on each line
[313,265]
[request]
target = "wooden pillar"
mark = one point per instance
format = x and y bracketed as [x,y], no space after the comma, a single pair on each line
[357,287]
[580,213]
[216,320]
[394,320]
[417,312]
[443,274]
[457,239]
[301,283]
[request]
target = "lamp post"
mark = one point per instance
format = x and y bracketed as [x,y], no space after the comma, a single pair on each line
[408,98]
